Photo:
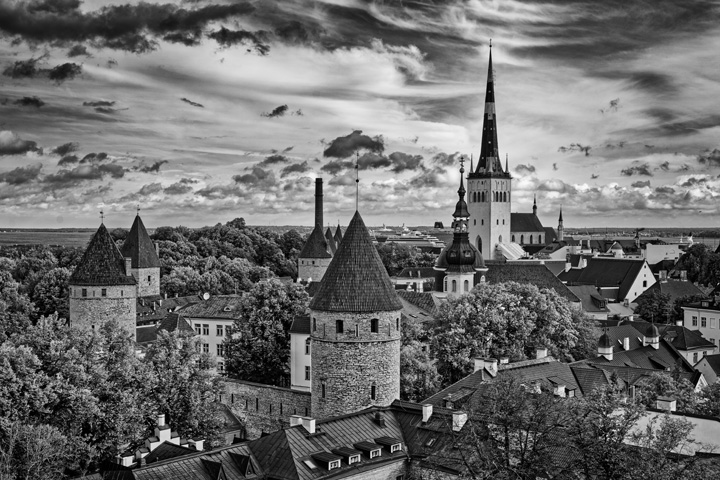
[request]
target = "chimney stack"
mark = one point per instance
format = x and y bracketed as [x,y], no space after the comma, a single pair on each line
[309,424]
[666,403]
[427,410]
[318,202]
[541,352]
[458,420]
[128,266]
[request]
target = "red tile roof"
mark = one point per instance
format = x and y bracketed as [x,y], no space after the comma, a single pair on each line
[102,263]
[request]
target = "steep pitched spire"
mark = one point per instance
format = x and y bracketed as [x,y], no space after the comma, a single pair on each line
[102,263]
[560,218]
[534,205]
[139,247]
[461,210]
[356,280]
[489,160]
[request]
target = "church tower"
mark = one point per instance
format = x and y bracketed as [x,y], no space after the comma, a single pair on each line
[561,228]
[102,287]
[354,330]
[315,256]
[489,186]
[145,262]
[459,261]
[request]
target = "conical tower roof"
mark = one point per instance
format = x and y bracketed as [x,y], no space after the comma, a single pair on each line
[139,247]
[316,246]
[338,235]
[489,160]
[330,240]
[356,280]
[102,263]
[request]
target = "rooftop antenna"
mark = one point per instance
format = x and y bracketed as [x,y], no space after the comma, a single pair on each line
[102,217]
[357,180]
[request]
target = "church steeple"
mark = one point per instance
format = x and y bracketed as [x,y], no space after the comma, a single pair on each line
[489,161]
[534,205]
[561,228]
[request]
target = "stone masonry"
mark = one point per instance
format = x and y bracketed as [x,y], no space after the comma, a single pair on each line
[89,308]
[148,281]
[313,268]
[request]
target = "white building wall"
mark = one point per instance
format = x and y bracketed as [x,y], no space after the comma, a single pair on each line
[706,321]
[657,253]
[489,220]
[644,280]
[300,373]
[212,333]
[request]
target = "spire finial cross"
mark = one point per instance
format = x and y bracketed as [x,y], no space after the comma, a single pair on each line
[357,180]
[138,210]
[102,217]
[491,43]
[462,163]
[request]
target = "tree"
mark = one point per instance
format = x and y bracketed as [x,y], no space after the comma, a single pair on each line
[654,306]
[661,384]
[52,293]
[31,451]
[419,377]
[508,319]
[16,309]
[259,349]
[396,256]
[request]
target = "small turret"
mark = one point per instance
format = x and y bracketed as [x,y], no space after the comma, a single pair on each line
[605,348]
[534,206]
[652,337]
[561,228]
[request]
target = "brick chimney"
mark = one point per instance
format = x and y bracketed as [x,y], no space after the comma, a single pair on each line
[427,410]
[318,202]
[128,266]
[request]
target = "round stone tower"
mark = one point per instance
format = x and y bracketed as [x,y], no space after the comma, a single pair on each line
[354,330]
[102,287]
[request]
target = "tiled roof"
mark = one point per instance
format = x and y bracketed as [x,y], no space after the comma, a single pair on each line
[330,239]
[301,324]
[338,235]
[152,309]
[219,306]
[550,235]
[534,274]
[167,450]
[175,322]
[356,280]
[590,377]
[416,272]
[606,272]
[674,288]
[424,301]
[590,298]
[666,357]
[594,375]
[683,338]
[102,263]
[714,362]
[525,222]
[316,245]
[145,333]
[312,288]
[139,247]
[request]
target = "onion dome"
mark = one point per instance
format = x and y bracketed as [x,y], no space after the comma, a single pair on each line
[604,341]
[652,331]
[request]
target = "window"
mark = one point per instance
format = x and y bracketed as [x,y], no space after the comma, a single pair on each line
[454,286]
[333,464]
[374,453]
[84,292]
[322,387]
[644,283]
[307,346]
[103,292]
[314,324]
[374,325]
[206,329]
[397,324]
[353,459]
[220,366]
[307,373]
[339,327]
[694,321]
[221,350]
[522,239]
[219,331]
[695,357]
[703,322]
[466,286]
[513,238]
[197,328]
[357,330]
[531,239]
[149,279]
[206,347]
[395,448]
[373,392]
[712,323]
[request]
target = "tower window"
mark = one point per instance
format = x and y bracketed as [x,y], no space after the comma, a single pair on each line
[374,325]
[497,222]
[357,330]
[322,386]
[373,392]
[466,286]
[474,221]
[513,238]
[103,292]
[314,325]
[339,327]
[454,286]
[397,324]
[307,346]
[149,279]
[522,239]
[482,221]
[307,373]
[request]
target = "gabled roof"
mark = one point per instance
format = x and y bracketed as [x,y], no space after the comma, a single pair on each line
[175,322]
[316,245]
[550,235]
[532,273]
[330,239]
[338,235]
[139,247]
[416,272]
[666,357]
[591,300]
[714,362]
[674,288]
[606,272]
[102,264]
[356,280]
[424,301]
[226,307]
[525,222]
[167,450]
[301,324]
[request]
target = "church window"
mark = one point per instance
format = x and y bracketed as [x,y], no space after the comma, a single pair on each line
[445,286]
[504,196]
[373,392]
[531,239]
[522,239]
[339,327]
[374,325]
[103,292]
[454,286]
[466,286]
[322,387]
[307,346]
[483,196]
[513,238]
[307,372]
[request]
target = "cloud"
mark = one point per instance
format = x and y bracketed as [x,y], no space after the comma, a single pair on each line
[67,178]
[11,144]
[29,102]
[343,147]
[154,168]
[99,103]
[295,168]
[66,71]
[150,189]
[178,188]
[295,32]
[29,68]
[523,169]
[641,184]
[555,167]
[94,157]
[274,160]
[445,159]
[594,176]
[336,166]
[711,158]
[68,160]
[694,182]
[576,147]
[556,185]
[277,112]
[65,148]
[78,50]
[194,104]
[639,169]
[287,149]
[21,175]
[255,41]
[403,161]
[665,190]
[259,176]
[613,106]
[370,161]
[665,166]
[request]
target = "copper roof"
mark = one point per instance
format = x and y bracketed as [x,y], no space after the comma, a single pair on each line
[316,246]
[356,280]
[139,247]
[102,263]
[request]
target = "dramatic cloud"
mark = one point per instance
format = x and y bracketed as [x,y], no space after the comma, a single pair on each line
[154,168]
[21,175]
[194,104]
[78,50]
[710,158]
[29,68]
[99,103]
[523,169]
[277,112]
[336,166]
[274,160]
[641,184]
[445,159]
[68,178]
[370,161]
[179,188]
[68,160]
[150,189]
[29,102]
[11,144]
[295,168]
[254,41]
[258,177]
[343,147]
[94,157]
[639,169]
[576,147]
[402,162]
[65,148]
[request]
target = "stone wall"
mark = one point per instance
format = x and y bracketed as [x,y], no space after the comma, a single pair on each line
[264,408]
[312,268]
[91,311]
[347,365]
[148,280]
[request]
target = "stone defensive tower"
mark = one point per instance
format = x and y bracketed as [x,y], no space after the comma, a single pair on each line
[102,286]
[145,263]
[489,186]
[316,254]
[354,330]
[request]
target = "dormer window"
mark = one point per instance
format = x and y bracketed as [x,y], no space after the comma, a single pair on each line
[370,449]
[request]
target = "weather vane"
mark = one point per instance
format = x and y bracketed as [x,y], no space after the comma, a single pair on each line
[102,216]
[138,209]
[357,180]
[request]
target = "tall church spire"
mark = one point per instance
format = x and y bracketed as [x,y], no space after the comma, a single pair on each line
[489,160]
[534,205]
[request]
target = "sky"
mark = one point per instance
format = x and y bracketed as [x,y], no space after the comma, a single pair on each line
[202,111]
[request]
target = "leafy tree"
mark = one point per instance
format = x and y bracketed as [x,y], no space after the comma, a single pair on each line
[396,256]
[660,384]
[677,312]
[654,306]
[15,307]
[51,294]
[709,400]
[419,377]
[259,349]
[31,451]
[701,263]
[291,244]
